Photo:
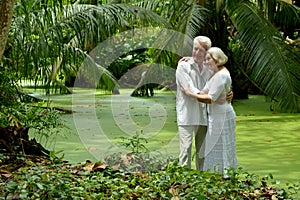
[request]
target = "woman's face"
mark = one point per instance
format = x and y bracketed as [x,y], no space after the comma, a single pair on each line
[210,63]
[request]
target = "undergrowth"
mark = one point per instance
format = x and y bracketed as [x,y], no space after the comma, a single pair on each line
[134,175]
[100,181]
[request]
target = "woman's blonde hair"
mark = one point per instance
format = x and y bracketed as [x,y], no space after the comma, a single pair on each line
[218,55]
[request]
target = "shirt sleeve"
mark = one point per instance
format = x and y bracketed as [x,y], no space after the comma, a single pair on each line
[205,90]
[183,77]
[217,86]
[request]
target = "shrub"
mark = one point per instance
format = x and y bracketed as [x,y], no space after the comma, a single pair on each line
[98,181]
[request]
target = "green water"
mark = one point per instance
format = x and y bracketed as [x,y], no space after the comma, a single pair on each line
[267,142]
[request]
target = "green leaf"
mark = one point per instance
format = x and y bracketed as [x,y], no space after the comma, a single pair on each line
[272,64]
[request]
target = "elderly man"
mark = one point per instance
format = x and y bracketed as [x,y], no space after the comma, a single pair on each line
[191,114]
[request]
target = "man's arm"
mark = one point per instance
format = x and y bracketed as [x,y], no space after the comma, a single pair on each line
[229,95]
[183,77]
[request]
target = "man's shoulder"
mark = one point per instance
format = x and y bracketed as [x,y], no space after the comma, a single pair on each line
[187,64]
[188,61]
[183,65]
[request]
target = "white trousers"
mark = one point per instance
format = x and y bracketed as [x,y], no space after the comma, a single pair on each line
[186,133]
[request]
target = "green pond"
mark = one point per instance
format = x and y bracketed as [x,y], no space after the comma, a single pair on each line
[267,141]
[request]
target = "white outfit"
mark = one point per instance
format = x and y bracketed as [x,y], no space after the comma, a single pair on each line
[220,147]
[191,114]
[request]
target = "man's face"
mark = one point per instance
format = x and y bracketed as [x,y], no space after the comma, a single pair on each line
[199,52]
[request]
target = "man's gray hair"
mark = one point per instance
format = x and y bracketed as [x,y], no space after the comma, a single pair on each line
[203,40]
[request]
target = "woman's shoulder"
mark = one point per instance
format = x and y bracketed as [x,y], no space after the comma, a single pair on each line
[224,72]
[222,75]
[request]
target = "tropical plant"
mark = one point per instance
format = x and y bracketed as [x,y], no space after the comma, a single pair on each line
[19,113]
[50,40]
[250,32]
[98,181]
[6,8]
[268,60]
[55,38]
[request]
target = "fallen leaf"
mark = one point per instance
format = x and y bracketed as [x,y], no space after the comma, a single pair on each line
[173,191]
[88,166]
[99,167]
[256,192]
[5,173]
[116,166]
[92,149]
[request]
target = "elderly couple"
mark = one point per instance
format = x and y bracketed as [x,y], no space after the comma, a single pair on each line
[204,110]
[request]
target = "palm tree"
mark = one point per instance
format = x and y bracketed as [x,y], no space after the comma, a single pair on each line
[6,8]
[250,32]
[268,61]
[50,41]
[47,42]
[63,35]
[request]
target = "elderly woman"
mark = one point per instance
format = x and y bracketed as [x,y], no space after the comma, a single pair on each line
[220,147]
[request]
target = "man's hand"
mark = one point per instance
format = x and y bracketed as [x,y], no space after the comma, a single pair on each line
[229,96]
[184,59]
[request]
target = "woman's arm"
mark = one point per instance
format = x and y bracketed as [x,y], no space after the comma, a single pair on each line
[204,98]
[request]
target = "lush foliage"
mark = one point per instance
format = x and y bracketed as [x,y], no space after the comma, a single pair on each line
[140,159]
[49,40]
[97,181]
[20,111]
[133,175]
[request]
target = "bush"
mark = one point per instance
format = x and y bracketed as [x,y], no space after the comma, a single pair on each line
[99,181]
[18,115]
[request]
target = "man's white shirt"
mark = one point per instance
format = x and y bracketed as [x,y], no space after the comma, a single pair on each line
[189,110]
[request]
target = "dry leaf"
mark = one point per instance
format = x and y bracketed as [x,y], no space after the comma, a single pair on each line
[92,149]
[5,173]
[256,192]
[88,166]
[173,191]
[116,166]
[99,167]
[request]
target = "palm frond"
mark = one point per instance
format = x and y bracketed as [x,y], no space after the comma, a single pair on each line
[51,33]
[287,16]
[197,21]
[273,64]
[94,75]
[186,18]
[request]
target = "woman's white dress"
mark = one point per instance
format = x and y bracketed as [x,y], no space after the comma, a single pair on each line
[220,146]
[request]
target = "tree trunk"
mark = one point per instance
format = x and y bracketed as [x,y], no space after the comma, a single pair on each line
[14,140]
[6,12]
